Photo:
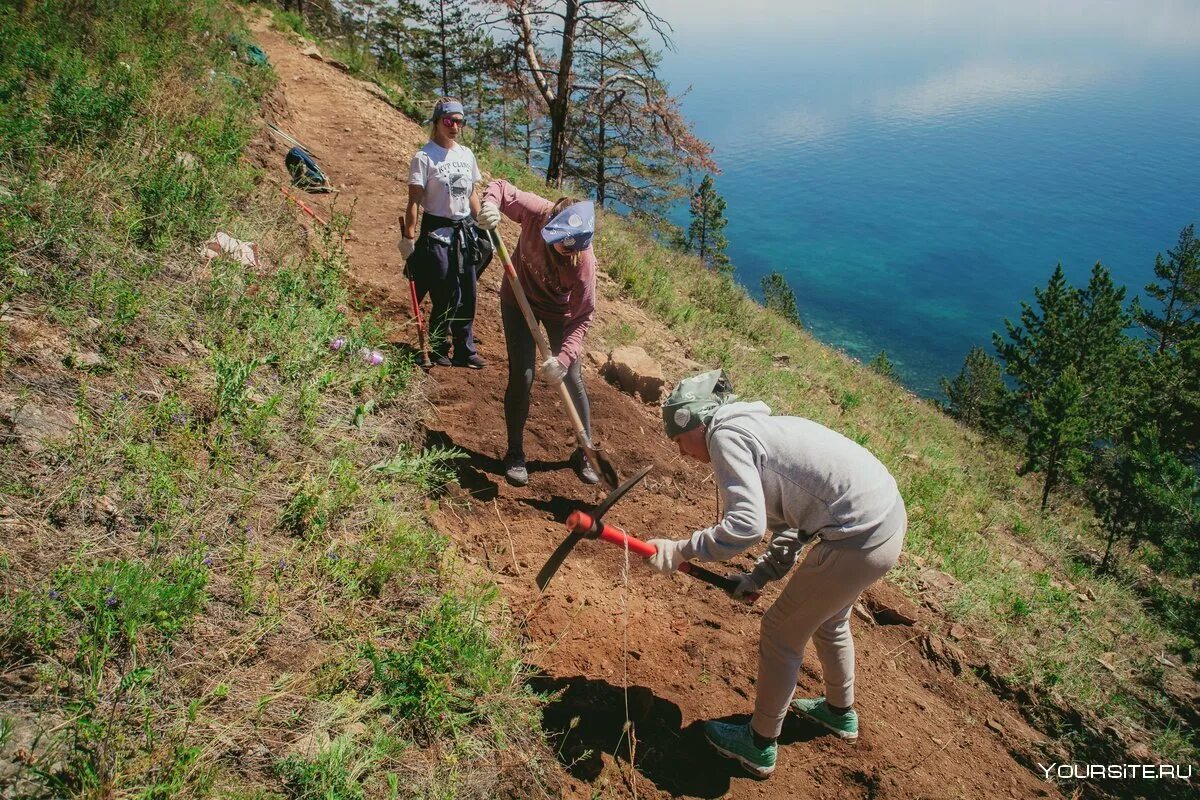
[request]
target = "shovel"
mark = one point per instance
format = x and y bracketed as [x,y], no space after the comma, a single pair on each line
[598,460]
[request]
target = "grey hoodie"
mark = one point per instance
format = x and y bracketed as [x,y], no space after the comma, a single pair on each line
[794,478]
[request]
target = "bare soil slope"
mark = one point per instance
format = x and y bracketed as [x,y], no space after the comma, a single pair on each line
[665,654]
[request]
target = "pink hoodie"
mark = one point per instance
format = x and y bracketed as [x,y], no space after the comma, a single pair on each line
[556,289]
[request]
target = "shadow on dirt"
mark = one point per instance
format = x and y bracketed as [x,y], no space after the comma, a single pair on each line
[480,474]
[585,718]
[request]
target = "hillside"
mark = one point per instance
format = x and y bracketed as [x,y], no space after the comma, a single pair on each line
[323,641]
[665,302]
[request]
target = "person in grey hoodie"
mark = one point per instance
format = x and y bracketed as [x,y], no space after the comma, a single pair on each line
[800,482]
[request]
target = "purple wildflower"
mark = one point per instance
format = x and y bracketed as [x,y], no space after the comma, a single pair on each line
[54,595]
[111,602]
[282,564]
[207,561]
[179,418]
[332,556]
[337,344]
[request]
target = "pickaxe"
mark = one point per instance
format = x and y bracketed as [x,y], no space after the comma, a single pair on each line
[583,525]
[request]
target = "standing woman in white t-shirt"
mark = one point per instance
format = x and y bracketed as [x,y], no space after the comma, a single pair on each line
[444,261]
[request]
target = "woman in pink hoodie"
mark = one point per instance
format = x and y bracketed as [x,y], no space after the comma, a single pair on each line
[557,270]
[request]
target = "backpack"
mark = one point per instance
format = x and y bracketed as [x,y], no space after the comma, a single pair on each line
[305,172]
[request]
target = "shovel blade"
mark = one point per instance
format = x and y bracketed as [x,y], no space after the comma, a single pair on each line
[604,467]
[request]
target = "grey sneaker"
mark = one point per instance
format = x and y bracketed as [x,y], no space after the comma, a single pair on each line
[737,742]
[583,468]
[514,470]
[817,710]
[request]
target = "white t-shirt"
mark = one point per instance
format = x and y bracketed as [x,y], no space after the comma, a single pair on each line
[448,177]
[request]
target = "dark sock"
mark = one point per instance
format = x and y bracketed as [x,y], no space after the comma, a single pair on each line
[838,709]
[762,742]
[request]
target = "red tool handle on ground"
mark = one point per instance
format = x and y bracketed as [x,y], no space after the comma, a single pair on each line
[416,304]
[581,522]
[303,207]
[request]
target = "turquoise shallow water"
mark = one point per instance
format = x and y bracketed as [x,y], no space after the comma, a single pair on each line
[915,176]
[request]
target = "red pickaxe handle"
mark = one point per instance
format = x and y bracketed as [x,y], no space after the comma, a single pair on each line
[582,522]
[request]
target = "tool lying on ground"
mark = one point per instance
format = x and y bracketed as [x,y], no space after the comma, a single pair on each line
[598,460]
[424,361]
[589,526]
[303,206]
[292,140]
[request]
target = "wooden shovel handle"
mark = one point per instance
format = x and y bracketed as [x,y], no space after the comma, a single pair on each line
[543,346]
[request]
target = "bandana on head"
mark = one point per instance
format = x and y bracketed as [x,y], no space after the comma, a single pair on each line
[572,227]
[694,400]
[448,107]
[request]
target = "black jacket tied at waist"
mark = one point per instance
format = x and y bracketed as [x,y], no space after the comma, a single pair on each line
[465,244]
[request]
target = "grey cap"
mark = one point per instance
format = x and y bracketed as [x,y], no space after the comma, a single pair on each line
[693,400]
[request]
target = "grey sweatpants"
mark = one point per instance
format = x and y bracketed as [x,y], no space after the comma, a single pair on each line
[816,604]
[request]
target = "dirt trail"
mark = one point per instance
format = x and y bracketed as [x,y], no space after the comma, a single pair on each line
[685,652]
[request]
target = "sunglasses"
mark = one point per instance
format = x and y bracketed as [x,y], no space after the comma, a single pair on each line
[457,122]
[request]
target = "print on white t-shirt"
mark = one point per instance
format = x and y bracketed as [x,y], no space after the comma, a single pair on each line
[448,177]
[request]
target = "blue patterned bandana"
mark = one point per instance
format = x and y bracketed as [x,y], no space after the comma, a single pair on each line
[572,227]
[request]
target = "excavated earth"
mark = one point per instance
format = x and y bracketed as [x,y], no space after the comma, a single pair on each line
[612,641]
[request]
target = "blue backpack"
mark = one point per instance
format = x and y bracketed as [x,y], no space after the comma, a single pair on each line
[305,172]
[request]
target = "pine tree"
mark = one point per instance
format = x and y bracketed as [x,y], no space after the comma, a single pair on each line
[1041,355]
[1058,433]
[977,396]
[1146,493]
[883,365]
[706,233]
[1040,347]
[1178,294]
[1104,354]
[1171,364]
[779,297]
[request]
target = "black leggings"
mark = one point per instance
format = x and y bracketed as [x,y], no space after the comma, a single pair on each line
[522,363]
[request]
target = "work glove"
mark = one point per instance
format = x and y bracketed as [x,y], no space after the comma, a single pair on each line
[489,217]
[668,555]
[552,371]
[746,585]
[406,247]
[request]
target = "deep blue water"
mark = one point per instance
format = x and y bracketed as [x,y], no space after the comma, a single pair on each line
[916,172]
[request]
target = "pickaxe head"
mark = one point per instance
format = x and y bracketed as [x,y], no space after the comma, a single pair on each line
[583,531]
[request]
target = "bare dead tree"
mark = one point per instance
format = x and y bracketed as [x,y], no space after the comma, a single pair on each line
[540,24]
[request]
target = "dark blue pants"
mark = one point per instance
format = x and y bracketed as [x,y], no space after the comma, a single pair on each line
[447,275]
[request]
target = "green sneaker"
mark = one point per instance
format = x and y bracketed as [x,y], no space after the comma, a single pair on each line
[736,741]
[816,709]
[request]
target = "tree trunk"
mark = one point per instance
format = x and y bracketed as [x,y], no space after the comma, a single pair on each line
[562,97]
[1112,536]
[600,169]
[1051,479]
[442,42]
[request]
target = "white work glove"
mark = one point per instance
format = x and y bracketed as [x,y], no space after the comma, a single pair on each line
[746,585]
[552,371]
[406,247]
[489,217]
[669,554]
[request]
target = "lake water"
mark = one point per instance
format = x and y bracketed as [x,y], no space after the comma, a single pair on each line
[915,169]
